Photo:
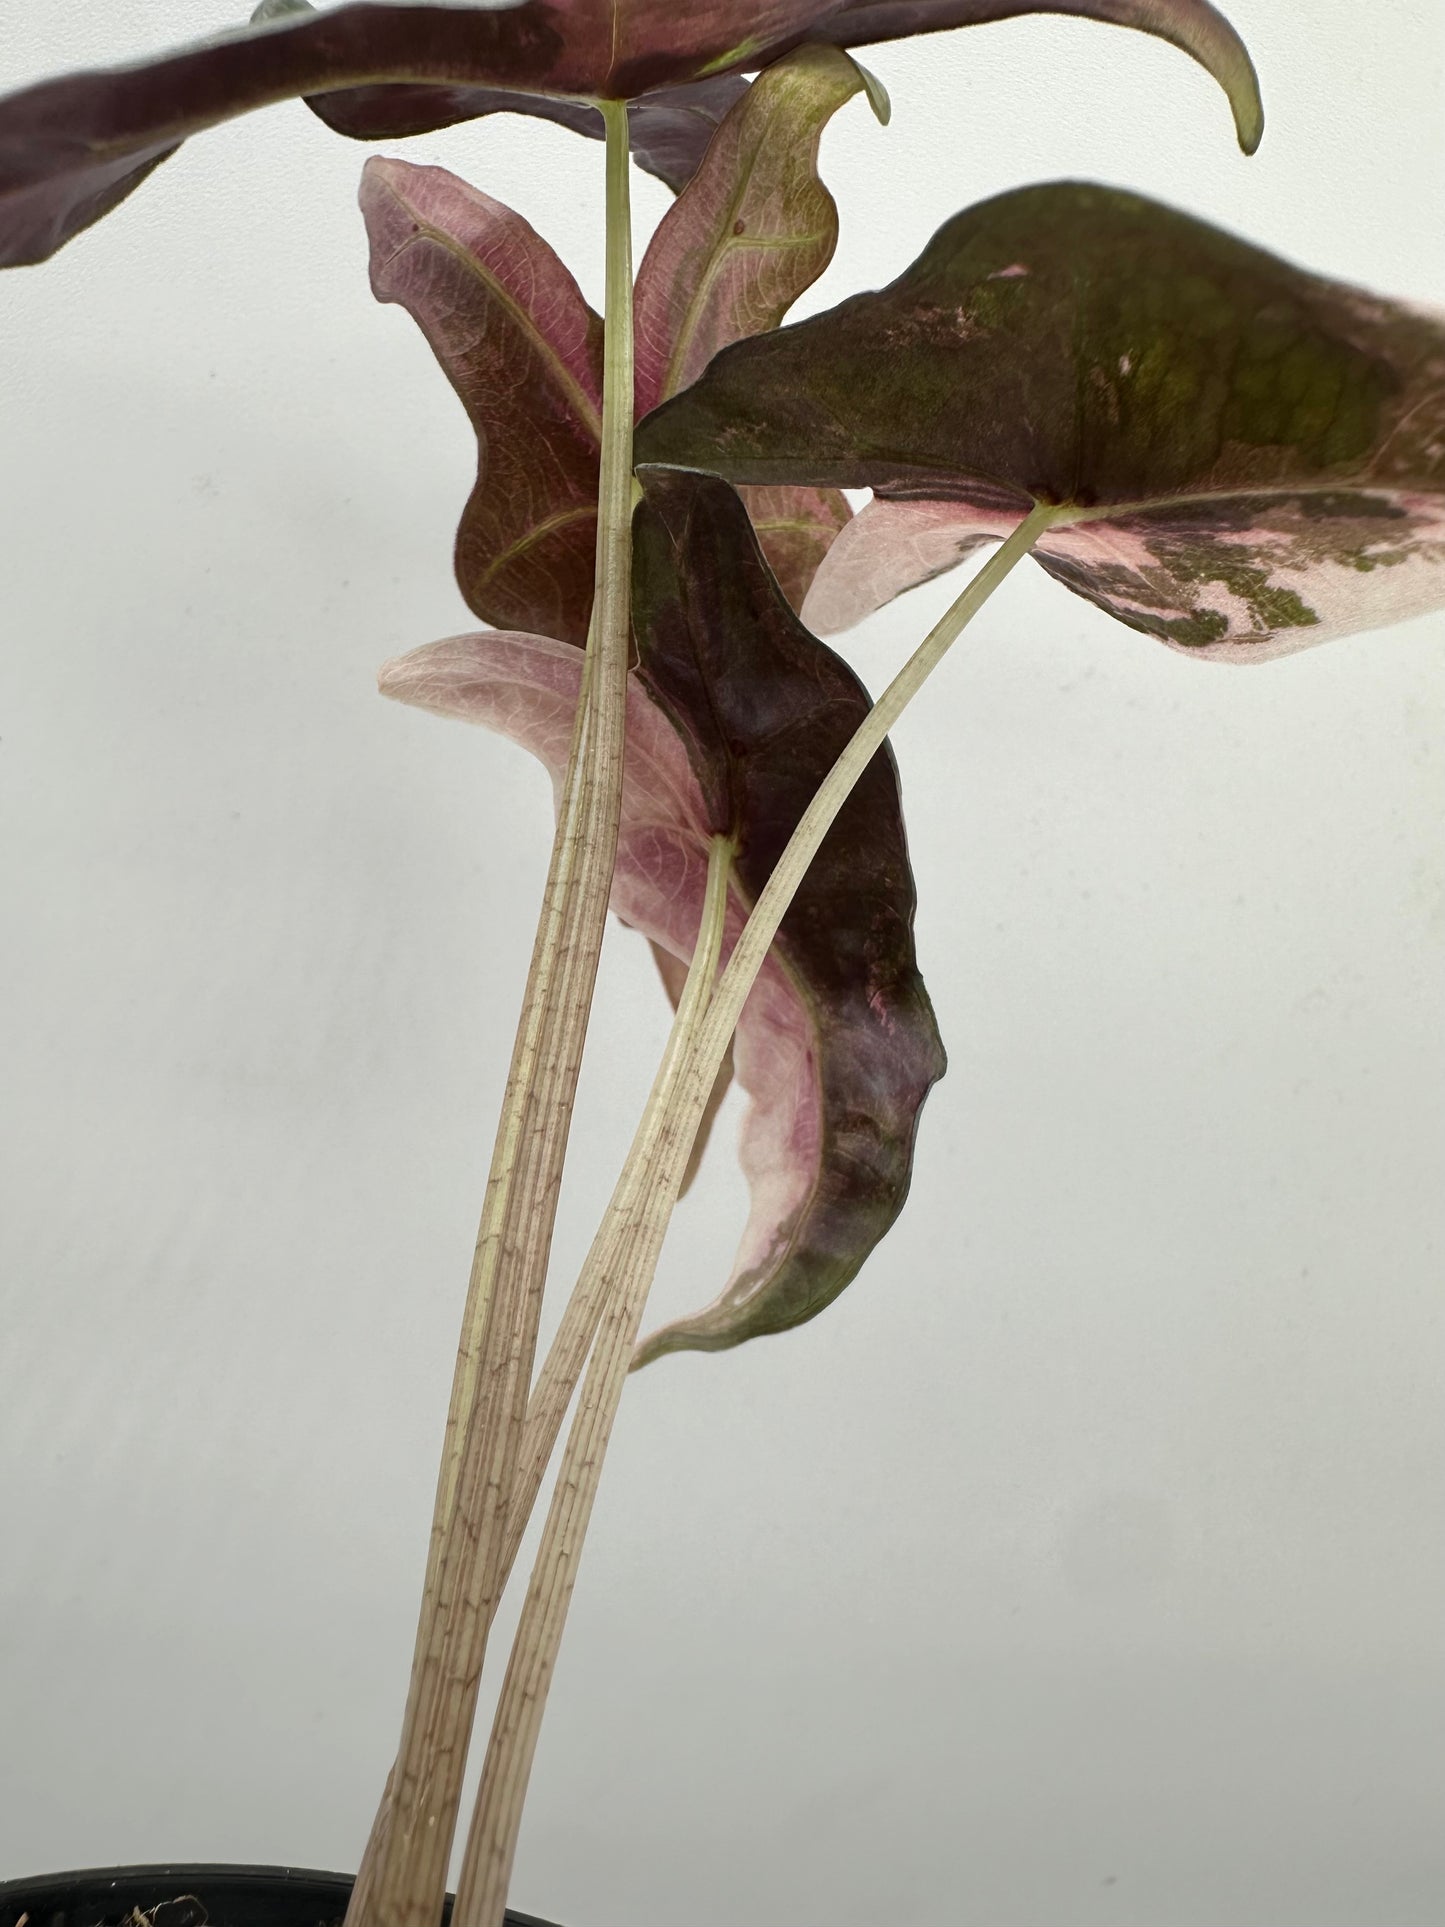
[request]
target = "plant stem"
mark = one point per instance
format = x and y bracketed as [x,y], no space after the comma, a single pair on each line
[620,1267]
[403,1877]
[614,1282]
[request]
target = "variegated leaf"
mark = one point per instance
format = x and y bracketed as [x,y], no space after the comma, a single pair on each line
[764,710]
[1251,458]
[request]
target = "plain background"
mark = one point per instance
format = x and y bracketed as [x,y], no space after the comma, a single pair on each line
[1085,1563]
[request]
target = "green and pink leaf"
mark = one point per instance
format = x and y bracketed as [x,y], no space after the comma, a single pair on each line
[1249,458]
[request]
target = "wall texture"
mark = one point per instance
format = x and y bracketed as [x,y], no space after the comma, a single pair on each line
[1086,1563]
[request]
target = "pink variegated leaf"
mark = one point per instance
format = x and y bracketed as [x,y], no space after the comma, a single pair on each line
[734,716]
[890,546]
[523,351]
[1248,459]
[1245,580]
[526,688]
[73,148]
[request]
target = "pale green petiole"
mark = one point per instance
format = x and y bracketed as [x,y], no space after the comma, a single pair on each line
[403,1875]
[614,1284]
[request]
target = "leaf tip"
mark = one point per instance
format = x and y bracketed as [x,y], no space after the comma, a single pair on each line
[1229,60]
[1248,108]
[878,97]
[394,677]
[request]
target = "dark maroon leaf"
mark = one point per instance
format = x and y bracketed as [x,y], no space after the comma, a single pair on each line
[764,710]
[1252,459]
[671,128]
[47,196]
[73,147]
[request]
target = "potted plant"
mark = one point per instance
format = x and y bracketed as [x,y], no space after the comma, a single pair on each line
[1226,451]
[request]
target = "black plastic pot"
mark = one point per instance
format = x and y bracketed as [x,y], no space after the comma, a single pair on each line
[188,1896]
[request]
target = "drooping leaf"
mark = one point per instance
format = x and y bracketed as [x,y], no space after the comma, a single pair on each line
[1255,457]
[1195,26]
[837,1080]
[72,148]
[735,714]
[524,353]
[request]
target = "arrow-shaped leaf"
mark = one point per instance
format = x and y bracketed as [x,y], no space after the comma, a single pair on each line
[74,147]
[735,714]
[524,352]
[1251,458]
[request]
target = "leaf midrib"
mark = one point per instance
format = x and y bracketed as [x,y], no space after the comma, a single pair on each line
[581,402]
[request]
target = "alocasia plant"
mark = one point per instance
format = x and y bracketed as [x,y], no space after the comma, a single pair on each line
[1218,448]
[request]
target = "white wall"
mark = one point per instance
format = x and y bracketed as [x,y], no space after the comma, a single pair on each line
[1086,1563]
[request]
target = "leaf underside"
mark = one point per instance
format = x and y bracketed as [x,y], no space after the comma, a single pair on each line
[523,351]
[1253,457]
[72,148]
